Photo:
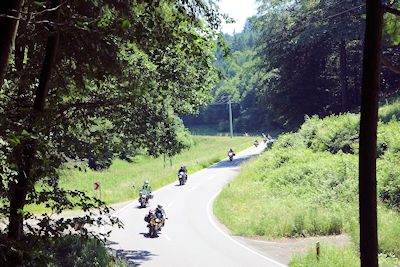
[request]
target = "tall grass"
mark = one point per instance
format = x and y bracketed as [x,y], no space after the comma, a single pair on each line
[122,180]
[332,256]
[307,184]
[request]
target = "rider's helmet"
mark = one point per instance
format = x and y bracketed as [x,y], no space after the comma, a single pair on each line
[146,182]
[183,167]
[159,207]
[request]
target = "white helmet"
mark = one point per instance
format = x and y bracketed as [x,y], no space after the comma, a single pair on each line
[146,182]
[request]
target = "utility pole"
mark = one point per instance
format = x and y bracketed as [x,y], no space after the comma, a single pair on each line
[230,118]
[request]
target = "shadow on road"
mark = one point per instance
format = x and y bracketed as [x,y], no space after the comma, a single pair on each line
[235,163]
[134,257]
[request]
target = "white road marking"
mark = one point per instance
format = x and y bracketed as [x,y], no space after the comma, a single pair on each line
[169,205]
[132,204]
[166,236]
[209,215]
[123,208]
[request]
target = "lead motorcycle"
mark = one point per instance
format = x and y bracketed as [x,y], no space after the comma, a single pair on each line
[182,177]
[155,223]
[144,197]
[230,155]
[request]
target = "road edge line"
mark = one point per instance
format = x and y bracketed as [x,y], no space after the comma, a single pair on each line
[212,221]
[115,213]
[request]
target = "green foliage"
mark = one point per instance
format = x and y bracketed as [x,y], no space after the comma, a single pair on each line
[307,184]
[73,251]
[123,71]
[69,251]
[295,192]
[333,133]
[240,82]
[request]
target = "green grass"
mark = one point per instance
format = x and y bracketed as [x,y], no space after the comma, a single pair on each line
[307,185]
[117,182]
[331,256]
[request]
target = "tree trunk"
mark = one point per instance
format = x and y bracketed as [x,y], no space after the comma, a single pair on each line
[9,26]
[368,131]
[343,75]
[20,189]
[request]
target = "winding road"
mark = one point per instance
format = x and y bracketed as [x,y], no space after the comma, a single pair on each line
[192,235]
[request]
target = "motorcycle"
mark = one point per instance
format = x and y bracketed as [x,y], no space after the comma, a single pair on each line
[144,197]
[155,225]
[182,176]
[230,155]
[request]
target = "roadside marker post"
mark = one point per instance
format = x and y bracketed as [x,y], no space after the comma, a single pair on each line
[317,248]
[97,186]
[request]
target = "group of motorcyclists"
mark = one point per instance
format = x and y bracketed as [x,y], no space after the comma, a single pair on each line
[156,218]
[266,139]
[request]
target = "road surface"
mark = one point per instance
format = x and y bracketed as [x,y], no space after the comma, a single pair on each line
[192,235]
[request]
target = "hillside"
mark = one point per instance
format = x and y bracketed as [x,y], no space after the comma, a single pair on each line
[307,184]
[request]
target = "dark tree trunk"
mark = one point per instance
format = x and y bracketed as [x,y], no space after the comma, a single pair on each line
[343,75]
[9,26]
[368,131]
[20,189]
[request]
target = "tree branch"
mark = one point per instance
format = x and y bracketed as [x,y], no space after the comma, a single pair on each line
[386,62]
[391,10]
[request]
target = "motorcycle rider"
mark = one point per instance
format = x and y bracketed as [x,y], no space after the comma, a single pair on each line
[148,217]
[184,170]
[146,186]
[160,213]
[256,143]
[231,151]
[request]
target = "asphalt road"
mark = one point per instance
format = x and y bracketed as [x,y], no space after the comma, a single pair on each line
[192,235]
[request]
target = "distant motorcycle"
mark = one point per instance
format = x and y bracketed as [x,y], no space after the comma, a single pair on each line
[230,155]
[256,143]
[144,197]
[182,177]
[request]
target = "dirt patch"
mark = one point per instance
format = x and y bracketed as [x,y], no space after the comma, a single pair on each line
[284,249]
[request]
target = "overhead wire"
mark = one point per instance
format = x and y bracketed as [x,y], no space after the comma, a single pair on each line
[313,22]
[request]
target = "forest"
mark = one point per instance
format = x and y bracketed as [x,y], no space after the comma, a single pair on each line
[293,60]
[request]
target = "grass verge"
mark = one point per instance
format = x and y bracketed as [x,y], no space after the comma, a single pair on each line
[333,256]
[307,185]
[117,182]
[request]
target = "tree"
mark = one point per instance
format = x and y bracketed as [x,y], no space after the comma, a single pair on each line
[368,130]
[105,72]
[311,51]
[10,13]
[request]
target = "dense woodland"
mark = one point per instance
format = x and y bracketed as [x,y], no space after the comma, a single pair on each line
[295,59]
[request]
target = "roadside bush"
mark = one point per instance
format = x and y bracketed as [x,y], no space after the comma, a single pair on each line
[76,251]
[389,112]
[389,180]
[333,133]
[307,184]
[63,251]
[293,193]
